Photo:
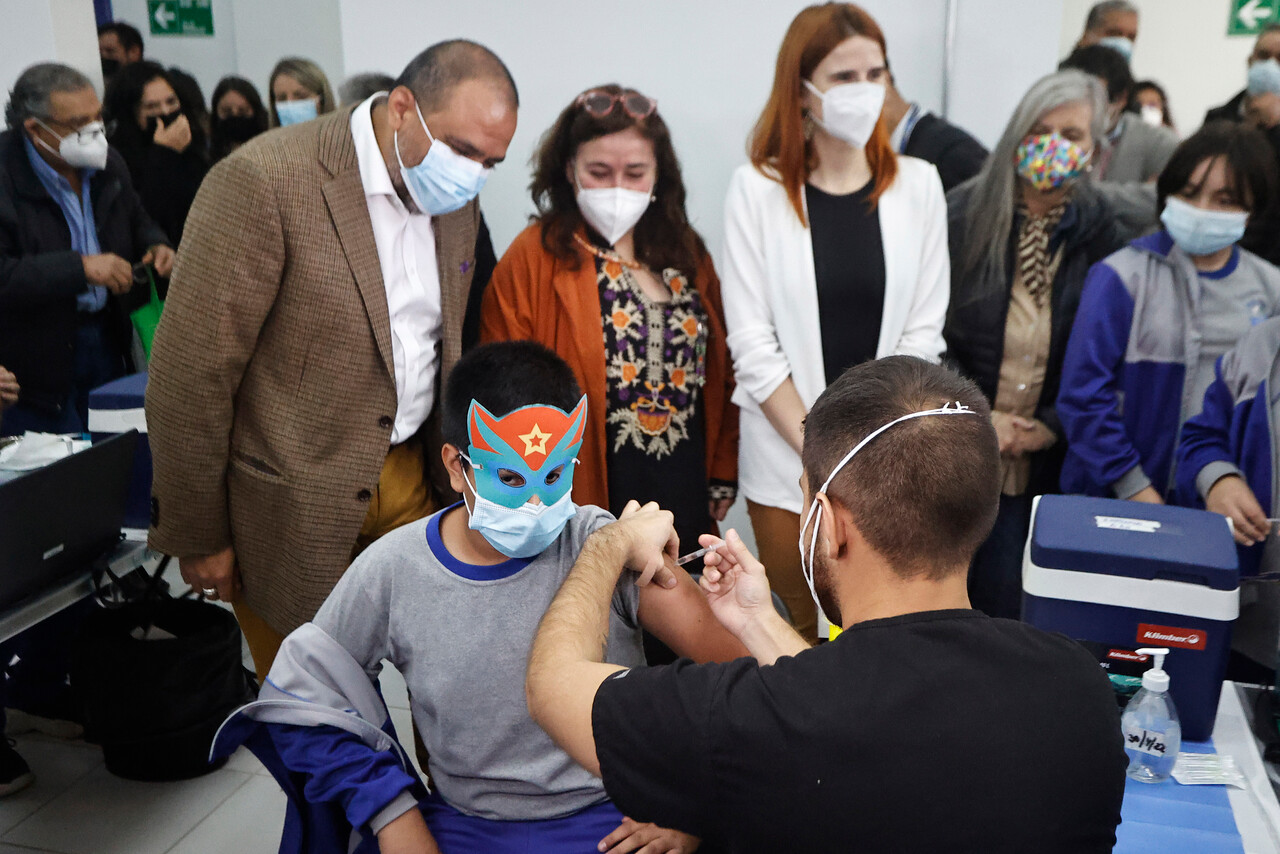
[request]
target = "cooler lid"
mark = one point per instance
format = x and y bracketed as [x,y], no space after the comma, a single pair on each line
[1128,538]
[125,393]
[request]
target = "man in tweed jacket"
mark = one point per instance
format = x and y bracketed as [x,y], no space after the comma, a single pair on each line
[302,345]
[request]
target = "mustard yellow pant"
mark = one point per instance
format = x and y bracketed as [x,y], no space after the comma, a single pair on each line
[777,534]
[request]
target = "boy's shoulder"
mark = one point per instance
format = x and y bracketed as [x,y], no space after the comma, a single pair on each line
[586,521]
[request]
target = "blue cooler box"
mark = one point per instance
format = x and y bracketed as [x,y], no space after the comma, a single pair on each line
[1118,575]
[116,408]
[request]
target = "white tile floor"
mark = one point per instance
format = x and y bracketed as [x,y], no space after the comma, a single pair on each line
[77,807]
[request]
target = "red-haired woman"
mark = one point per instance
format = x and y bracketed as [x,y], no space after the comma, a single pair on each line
[612,277]
[835,253]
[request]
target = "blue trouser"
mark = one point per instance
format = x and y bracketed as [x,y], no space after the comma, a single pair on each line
[457,833]
[96,363]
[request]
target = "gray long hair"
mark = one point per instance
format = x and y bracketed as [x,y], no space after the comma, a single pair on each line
[30,94]
[994,194]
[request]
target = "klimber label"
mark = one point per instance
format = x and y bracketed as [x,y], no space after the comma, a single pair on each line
[1122,523]
[1150,634]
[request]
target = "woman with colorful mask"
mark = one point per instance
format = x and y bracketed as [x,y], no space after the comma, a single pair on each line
[1023,235]
[834,254]
[299,92]
[614,279]
[160,140]
[1156,316]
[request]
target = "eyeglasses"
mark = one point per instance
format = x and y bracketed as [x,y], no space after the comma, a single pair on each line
[599,103]
[85,133]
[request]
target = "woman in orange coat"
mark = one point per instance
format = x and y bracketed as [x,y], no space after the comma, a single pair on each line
[612,277]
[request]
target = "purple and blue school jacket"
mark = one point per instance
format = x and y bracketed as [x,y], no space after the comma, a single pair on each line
[1128,374]
[1234,433]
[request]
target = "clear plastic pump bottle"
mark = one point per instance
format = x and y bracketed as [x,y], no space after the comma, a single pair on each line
[1152,733]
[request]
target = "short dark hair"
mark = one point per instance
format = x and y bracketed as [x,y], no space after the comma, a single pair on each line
[504,376]
[359,87]
[924,494]
[1099,11]
[1105,63]
[1249,158]
[127,34]
[29,97]
[1142,86]
[433,74]
[663,236]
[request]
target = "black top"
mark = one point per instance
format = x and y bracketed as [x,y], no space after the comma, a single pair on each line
[955,153]
[166,180]
[936,731]
[655,368]
[40,275]
[848,261]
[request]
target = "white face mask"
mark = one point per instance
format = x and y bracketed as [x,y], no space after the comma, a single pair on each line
[85,148]
[1152,115]
[815,506]
[850,110]
[612,211]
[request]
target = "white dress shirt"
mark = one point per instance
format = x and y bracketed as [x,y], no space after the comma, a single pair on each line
[407,255]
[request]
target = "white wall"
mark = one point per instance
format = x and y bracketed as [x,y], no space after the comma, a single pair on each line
[1184,46]
[50,31]
[249,37]
[709,64]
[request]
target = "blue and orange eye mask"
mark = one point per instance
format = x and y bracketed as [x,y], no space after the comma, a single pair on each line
[529,451]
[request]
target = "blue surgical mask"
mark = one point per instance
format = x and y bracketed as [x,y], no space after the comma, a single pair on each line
[1201,232]
[1120,45]
[445,180]
[293,112]
[520,532]
[1264,76]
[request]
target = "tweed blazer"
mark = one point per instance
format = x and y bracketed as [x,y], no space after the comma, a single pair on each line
[272,394]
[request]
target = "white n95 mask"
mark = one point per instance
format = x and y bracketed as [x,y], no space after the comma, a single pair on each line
[850,110]
[85,148]
[815,506]
[612,211]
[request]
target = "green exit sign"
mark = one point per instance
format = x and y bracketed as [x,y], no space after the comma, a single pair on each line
[180,17]
[1250,17]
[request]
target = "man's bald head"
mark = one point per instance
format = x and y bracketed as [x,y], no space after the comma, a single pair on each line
[433,74]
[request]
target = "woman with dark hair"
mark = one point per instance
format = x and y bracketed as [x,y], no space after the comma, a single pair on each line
[614,279]
[1156,315]
[238,115]
[1150,103]
[835,253]
[161,140]
[1023,236]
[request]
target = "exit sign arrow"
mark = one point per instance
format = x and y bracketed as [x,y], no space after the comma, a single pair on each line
[165,18]
[1252,12]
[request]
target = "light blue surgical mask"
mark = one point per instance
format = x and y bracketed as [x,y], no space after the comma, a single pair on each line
[1201,232]
[520,532]
[445,180]
[1264,76]
[1120,45]
[294,112]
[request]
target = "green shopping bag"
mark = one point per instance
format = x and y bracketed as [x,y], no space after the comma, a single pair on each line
[146,318]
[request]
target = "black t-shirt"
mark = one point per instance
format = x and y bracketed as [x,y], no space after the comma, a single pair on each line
[937,731]
[848,262]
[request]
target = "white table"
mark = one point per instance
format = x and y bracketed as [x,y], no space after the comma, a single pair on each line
[1256,809]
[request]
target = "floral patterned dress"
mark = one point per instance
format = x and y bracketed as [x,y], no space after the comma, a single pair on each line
[655,354]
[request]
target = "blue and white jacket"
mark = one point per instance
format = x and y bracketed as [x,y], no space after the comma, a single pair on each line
[1128,375]
[323,731]
[1234,433]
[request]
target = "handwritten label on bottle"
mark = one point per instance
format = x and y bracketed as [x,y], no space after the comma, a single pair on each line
[1144,741]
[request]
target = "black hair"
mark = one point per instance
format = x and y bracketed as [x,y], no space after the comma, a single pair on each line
[124,94]
[1134,106]
[924,494]
[504,376]
[1106,63]
[432,74]
[1250,161]
[220,145]
[127,34]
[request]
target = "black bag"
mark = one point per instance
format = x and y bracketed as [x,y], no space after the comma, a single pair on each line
[157,677]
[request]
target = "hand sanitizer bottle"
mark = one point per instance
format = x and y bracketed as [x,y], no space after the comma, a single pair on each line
[1152,734]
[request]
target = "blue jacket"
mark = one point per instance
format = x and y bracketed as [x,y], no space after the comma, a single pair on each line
[1129,369]
[323,731]
[1234,433]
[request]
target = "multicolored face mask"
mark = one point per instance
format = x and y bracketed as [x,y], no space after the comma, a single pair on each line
[527,453]
[1050,160]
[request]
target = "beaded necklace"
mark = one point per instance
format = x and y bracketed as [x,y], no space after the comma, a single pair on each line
[608,256]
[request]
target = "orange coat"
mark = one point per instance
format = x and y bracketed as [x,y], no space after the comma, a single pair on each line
[533,295]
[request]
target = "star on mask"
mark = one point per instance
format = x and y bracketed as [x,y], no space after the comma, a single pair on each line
[535,441]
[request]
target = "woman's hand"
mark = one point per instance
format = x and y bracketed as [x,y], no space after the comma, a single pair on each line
[176,136]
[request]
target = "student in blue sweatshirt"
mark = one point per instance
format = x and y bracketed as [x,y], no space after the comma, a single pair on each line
[1156,315]
[453,602]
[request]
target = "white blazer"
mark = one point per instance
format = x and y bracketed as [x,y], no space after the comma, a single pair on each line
[771,305]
